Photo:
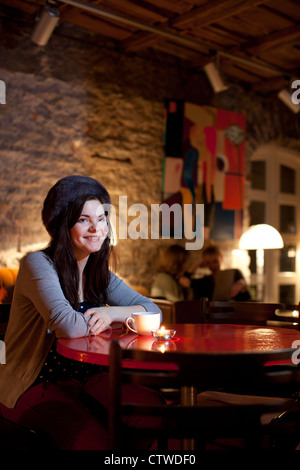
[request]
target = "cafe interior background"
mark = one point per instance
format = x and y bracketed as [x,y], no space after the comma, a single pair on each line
[115,90]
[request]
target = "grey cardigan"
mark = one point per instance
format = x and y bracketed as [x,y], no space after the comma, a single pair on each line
[39,314]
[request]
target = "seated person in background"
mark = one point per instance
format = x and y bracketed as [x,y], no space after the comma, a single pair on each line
[171,267]
[227,284]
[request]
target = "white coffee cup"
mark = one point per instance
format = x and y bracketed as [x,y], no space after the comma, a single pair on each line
[143,323]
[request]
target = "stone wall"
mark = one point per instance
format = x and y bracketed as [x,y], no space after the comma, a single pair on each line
[80,105]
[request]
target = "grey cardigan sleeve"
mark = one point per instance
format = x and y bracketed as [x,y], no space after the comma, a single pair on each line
[121,294]
[38,282]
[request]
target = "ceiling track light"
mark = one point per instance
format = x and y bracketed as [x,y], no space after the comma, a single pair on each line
[286,97]
[46,25]
[214,77]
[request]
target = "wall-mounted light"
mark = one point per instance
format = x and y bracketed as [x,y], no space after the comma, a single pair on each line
[45,26]
[214,77]
[286,97]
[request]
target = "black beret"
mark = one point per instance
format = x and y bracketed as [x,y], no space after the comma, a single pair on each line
[66,191]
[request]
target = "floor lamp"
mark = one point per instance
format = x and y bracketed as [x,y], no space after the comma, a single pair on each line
[260,237]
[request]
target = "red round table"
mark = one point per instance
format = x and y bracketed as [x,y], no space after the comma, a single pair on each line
[216,338]
[189,338]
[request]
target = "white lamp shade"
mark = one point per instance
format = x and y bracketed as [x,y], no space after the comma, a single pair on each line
[260,236]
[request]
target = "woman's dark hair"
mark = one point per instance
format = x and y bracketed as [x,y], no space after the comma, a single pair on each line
[96,272]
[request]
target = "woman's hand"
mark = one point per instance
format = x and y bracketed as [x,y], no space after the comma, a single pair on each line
[184,281]
[99,319]
[102,317]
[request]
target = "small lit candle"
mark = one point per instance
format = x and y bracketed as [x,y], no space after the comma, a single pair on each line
[163,334]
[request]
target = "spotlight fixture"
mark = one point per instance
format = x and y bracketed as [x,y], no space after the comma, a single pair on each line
[286,97]
[214,77]
[45,26]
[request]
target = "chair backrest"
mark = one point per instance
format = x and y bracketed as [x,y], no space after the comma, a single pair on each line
[4,315]
[190,370]
[190,311]
[287,316]
[168,309]
[182,311]
[245,313]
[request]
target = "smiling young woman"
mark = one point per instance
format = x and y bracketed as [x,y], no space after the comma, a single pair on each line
[90,231]
[66,290]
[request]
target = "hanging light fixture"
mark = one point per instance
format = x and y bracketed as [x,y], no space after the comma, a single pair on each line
[214,77]
[286,97]
[46,24]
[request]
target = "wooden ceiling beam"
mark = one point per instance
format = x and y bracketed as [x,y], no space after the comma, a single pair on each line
[177,51]
[273,40]
[99,26]
[140,40]
[268,86]
[25,6]
[154,8]
[212,12]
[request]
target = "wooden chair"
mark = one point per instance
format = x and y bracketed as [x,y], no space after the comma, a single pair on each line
[191,422]
[287,316]
[245,313]
[4,315]
[182,311]
[250,313]
[168,309]
[190,311]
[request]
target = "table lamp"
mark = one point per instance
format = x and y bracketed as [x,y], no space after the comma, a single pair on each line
[260,237]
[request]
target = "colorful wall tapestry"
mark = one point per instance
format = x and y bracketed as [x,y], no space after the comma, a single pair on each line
[205,163]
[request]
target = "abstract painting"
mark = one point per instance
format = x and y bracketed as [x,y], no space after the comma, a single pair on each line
[204,163]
